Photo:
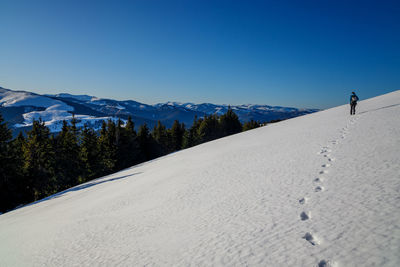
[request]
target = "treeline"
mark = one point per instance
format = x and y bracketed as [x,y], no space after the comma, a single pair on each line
[40,164]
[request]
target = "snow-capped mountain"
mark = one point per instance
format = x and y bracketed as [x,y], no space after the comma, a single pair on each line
[20,108]
[317,190]
[245,112]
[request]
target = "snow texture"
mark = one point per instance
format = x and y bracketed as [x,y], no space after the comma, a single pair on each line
[317,190]
[10,98]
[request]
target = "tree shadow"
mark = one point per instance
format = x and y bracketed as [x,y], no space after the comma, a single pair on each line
[390,106]
[78,188]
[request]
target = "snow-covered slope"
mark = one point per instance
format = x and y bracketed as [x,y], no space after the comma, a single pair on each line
[317,190]
[52,111]
[10,98]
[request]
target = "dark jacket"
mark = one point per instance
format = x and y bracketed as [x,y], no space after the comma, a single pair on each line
[353,99]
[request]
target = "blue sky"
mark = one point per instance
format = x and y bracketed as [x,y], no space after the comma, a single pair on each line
[291,53]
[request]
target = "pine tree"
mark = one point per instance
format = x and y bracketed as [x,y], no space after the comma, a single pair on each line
[19,185]
[176,134]
[6,179]
[209,129]
[39,163]
[68,164]
[160,135]
[89,155]
[5,138]
[191,136]
[250,125]
[127,145]
[130,145]
[108,147]
[148,146]
[130,127]
[229,123]
[144,142]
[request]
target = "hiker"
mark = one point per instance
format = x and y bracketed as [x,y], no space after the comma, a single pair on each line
[353,103]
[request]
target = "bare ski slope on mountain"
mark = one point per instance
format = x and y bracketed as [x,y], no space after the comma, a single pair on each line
[318,190]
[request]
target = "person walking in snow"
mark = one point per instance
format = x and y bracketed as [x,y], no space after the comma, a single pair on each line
[353,103]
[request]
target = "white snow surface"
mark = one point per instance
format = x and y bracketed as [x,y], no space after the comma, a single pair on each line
[77,97]
[10,98]
[317,190]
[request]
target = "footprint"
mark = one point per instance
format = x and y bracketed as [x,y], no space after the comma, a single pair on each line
[324,150]
[325,263]
[331,159]
[304,216]
[318,189]
[310,238]
[326,165]
[322,172]
[302,201]
[318,180]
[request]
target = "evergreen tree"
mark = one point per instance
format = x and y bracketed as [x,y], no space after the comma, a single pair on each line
[148,146]
[18,190]
[229,123]
[39,163]
[144,142]
[132,147]
[6,178]
[68,164]
[127,145]
[160,135]
[89,155]
[5,138]
[250,125]
[209,129]
[108,147]
[176,134]
[130,127]
[191,136]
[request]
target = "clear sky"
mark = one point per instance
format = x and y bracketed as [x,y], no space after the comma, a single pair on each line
[291,53]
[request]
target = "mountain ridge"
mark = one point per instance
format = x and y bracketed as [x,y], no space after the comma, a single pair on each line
[20,108]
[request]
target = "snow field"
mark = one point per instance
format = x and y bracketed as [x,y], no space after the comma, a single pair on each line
[317,190]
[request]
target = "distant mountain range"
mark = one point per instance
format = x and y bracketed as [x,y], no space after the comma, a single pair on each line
[20,108]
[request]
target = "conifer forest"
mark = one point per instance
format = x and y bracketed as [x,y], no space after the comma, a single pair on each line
[38,163]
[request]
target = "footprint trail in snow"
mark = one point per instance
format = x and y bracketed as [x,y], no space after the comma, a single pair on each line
[325,152]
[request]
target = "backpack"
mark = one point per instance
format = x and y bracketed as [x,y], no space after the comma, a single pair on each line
[353,99]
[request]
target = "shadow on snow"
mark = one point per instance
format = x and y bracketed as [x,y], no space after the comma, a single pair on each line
[394,105]
[78,188]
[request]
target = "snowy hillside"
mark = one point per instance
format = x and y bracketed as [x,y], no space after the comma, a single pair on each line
[34,107]
[10,98]
[317,190]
